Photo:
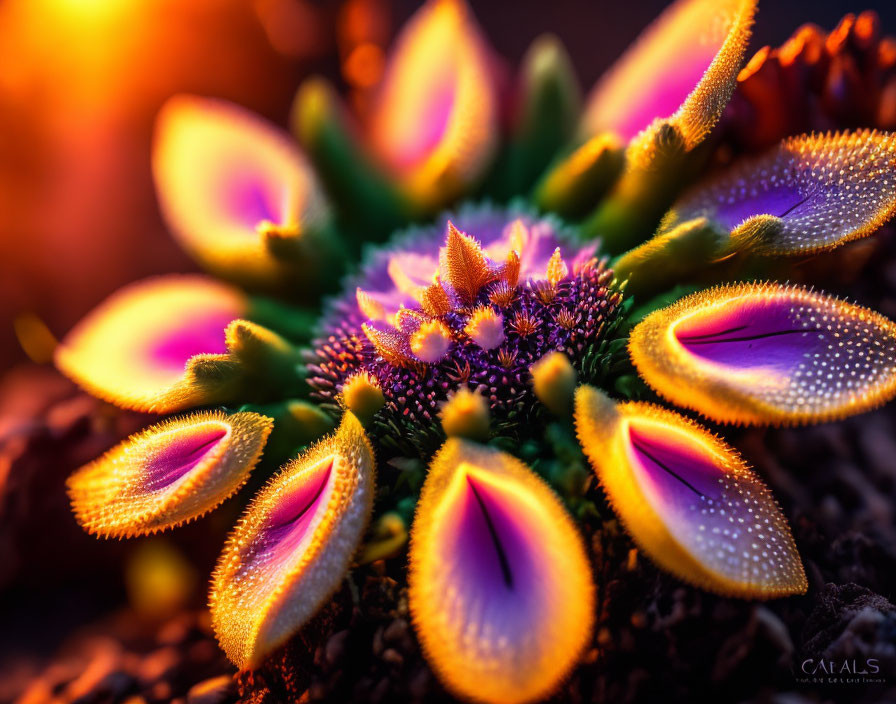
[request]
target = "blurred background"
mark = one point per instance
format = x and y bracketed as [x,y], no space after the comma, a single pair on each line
[80,84]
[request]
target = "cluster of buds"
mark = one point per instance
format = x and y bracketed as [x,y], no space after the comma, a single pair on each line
[473,312]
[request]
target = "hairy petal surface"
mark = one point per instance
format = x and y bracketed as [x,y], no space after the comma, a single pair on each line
[500,586]
[820,190]
[767,353]
[435,123]
[169,473]
[134,350]
[682,69]
[226,179]
[688,499]
[293,545]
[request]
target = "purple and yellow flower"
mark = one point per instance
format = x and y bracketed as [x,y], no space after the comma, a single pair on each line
[433,128]
[495,343]
[144,347]
[237,192]
[172,472]
[500,585]
[447,310]
[293,545]
[680,73]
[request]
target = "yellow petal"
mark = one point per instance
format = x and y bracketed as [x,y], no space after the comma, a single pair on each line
[820,191]
[133,350]
[500,586]
[682,69]
[224,178]
[170,473]
[767,353]
[688,499]
[435,124]
[293,545]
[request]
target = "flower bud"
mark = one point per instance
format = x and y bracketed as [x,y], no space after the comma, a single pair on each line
[465,414]
[554,381]
[362,396]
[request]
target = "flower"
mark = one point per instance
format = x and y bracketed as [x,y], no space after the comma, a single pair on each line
[591,273]
[439,310]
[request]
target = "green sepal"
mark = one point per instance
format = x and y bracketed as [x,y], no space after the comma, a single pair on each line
[547,111]
[314,258]
[294,323]
[363,193]
[271,364]
[632,211]
[671,257]
[296,424]
[630,386]
[215,379]
[575,184]
[754,234]
[657,168]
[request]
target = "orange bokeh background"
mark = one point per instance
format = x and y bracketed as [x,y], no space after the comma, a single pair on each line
[82,80]
[80,83]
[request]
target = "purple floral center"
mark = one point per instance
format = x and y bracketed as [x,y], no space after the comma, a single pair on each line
[474,302]
[182,454]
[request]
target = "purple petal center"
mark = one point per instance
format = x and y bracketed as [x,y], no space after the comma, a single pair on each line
[674,470]
[781,201]
[717,512]
[201,335]
[494,558]
[763,334]
[250,200]
[289,522]
[182,454]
